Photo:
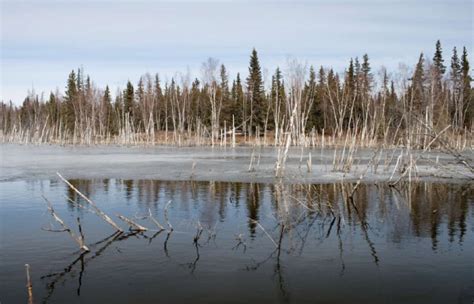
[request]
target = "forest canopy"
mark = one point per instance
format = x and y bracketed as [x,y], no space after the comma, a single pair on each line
[376,106]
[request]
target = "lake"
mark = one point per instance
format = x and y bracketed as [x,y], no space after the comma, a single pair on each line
[240,242]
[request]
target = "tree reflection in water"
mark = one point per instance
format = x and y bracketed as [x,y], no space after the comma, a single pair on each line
[291,215]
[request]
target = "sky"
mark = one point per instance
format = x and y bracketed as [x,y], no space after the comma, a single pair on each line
[116,41]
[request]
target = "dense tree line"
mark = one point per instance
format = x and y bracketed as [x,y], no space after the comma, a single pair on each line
[302,101]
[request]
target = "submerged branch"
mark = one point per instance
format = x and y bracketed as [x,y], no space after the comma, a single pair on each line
[99,212]
[78,240]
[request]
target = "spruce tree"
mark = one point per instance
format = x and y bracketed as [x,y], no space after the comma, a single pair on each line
[457,107]
[277,97]
[52,108]
[393,100]
[321,97]
[467,96]
[111,126]
[88,86]
[140,91]
[357,76]
[128,99]
[310,93]
[157,99]
[79,80]
[417,86]
[350,80]
[239,101]
[106,98]
[456,73]
[256,93]
[224,96]
[195,98]
[68,113]
[438,59]
[224,85]
[366,76]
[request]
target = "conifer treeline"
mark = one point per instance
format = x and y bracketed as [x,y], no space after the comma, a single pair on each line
[204,111]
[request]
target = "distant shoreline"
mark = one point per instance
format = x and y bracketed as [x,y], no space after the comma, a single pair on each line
[32,162]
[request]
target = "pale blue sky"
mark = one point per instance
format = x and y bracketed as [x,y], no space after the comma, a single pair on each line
[41,41]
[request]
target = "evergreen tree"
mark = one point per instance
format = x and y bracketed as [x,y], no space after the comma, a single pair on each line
[52,108]
[158,100]
[350,80]
[455,70]
[456,79]
[111,122]
[321,101]
[68,113]
[88,87]
[438,59]
[140,91]
[385,83]
[366,76]
[224,95]
[417,87]
[277,98]
[195,98]
[141,108]
[224,85]
[358,77]
[467,95]
[128,99]
[438,70]
[107,99]
[393,96]
[310,93]
[79,80]
[240,107]
[256,93]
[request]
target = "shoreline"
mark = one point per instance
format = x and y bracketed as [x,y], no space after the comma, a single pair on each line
[30,162]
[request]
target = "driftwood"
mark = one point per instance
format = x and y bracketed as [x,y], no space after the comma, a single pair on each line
[99,212]
[131,223]
[78,239]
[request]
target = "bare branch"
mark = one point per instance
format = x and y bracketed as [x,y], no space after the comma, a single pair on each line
[99,212]
[78,240]
[137,226]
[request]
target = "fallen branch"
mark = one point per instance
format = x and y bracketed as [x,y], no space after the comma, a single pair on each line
[154,220]
[131,223]
[78,240]
[99,212]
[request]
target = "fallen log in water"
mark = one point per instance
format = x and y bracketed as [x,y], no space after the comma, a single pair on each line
[99,212]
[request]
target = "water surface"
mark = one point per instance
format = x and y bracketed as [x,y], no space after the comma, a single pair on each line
[260,243]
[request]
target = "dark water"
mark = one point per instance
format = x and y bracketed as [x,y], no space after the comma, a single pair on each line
[407,245]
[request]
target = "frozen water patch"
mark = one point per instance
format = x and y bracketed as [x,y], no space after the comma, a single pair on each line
[170,163]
